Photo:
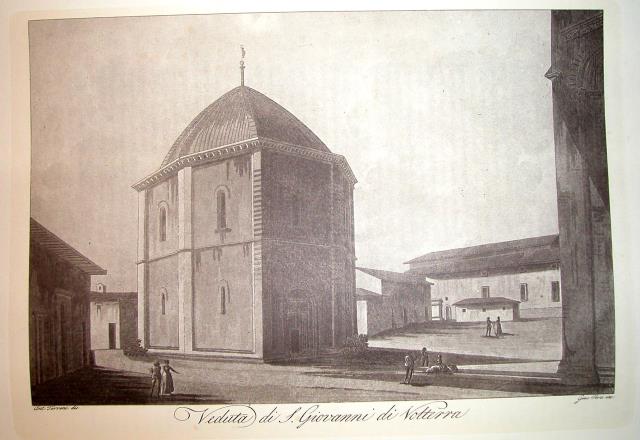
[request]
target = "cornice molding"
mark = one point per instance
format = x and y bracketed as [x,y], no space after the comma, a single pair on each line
[582,27]
[243,147]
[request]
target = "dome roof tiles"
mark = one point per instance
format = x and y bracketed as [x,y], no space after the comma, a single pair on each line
[241,114]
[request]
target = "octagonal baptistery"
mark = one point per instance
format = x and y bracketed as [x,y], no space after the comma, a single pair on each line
[246,237]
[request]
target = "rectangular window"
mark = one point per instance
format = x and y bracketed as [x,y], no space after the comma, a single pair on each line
[524,292]
[223,301]
[555,291]
[485,291]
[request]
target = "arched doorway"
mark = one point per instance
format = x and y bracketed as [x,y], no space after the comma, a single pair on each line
[301,324]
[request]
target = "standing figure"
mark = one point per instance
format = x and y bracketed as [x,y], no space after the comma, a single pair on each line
[424,357]
[408,364]
[489,325]
[167,379]
[498,327]
[156,378]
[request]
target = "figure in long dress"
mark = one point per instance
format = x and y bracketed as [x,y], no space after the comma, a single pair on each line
[167,379]
[498,327]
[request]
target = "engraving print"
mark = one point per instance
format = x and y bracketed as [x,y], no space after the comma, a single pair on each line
[319,207]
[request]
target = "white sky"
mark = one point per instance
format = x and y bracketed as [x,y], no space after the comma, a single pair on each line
[444,117]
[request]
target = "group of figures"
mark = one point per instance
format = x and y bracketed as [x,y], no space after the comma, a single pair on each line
[162,379]
[496,326]
[423,359]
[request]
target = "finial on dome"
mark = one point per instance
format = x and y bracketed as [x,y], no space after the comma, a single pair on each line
[242,66]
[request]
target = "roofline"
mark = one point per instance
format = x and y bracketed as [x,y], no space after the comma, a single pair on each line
[537,266]
[242,147]
[411,279]
[97,271]
[422,258]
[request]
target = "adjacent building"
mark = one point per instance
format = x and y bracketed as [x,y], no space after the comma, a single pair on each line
[246,237]
[526,271]
[402,299]
[59,285]
[114,319]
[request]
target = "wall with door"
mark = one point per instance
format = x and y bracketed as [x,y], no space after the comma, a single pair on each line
[103,315]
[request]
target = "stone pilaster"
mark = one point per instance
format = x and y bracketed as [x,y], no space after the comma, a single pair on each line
[142,267]
[256,215]
[604,309]
[576,274]
[332,262]
[185,265]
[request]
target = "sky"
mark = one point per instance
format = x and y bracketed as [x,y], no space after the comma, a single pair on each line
[444,117]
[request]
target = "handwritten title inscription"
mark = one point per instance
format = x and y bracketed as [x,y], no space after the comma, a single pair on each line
[244,415]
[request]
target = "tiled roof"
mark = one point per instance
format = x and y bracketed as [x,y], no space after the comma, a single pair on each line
[493,300]
[494,256]
[58,247]
[396,277]
[241,114]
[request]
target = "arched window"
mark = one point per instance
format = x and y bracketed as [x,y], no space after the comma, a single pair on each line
[223,300]
[162,223]
[221,208]
[164,302]
[296,209]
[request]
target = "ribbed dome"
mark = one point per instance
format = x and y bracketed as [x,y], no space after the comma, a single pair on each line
[239,115]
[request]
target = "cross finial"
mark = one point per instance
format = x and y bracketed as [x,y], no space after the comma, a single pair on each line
[242,66]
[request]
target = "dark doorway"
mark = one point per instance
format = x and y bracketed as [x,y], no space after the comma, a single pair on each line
[112,335]
[295,341]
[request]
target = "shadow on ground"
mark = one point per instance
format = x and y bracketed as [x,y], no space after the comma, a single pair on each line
[102,386]
[374,359]
[475,382]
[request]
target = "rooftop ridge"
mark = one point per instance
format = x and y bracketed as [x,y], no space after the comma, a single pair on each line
[495,248]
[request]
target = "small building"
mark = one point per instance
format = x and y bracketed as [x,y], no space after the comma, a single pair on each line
[59,285]
[526,270]
[403,299]
[114,319]
[479,309]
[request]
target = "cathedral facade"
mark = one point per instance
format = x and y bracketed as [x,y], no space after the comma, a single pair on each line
[246,237]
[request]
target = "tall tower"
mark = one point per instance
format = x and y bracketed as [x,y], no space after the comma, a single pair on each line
[246,237]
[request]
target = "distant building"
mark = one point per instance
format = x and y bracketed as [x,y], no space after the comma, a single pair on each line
[479,309]
[59,285]
[114,319]
[403,300]
[526,271]
[246,240]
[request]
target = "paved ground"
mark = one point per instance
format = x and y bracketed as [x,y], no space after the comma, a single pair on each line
[203,382]
[227,382]
[527,340]
[519,364]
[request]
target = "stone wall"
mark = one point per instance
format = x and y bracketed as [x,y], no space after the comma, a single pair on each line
[307,251]
[59,339]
